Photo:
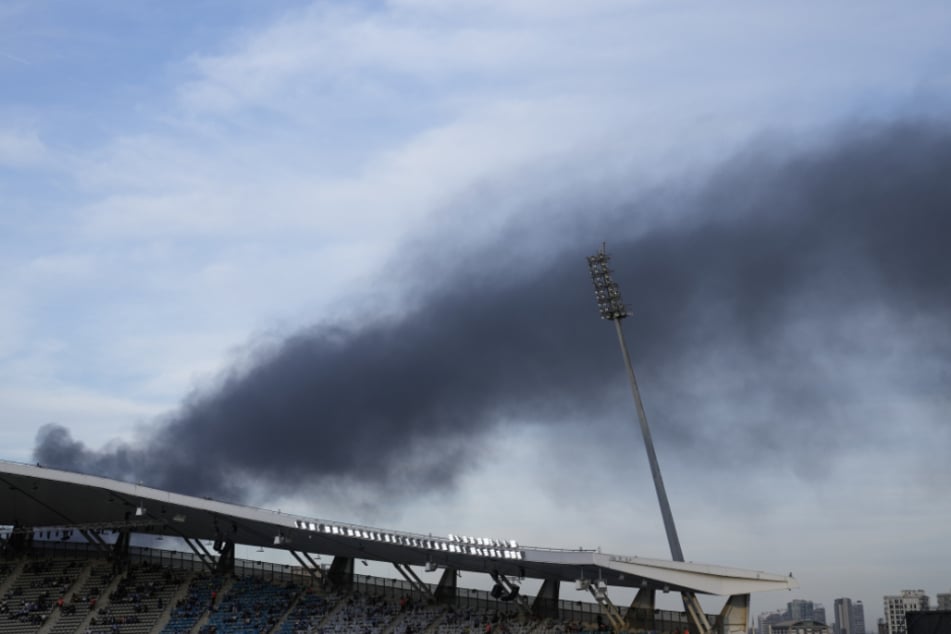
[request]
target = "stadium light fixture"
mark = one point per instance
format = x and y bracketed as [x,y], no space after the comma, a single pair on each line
[606,290]
[140,510]
[612,308]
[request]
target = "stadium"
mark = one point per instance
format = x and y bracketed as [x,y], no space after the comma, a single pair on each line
[73,562]
[69,565]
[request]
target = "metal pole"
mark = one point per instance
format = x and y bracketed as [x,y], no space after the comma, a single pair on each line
[672,539]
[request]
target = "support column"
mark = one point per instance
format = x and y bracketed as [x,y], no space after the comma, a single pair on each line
[446,591]
[225,563]
[640,616]
[734,618]
[545,604]
[341,573]
[120,550]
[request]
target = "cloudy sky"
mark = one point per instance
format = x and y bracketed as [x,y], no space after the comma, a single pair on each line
[329,257]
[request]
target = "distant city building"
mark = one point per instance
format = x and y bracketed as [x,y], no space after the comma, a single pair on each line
[858,617]
[842,616]
[848,616]
[897,604]
[819,614]
[944,600]
[882,626]
[767,619]
[801,610]
[807,626]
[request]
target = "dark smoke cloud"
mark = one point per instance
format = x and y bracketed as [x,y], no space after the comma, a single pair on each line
[744,290]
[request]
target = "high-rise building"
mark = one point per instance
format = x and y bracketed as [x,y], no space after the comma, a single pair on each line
[944,600]
[858,617]
[897,604]
[819,614]
[842,616]
[800,610]
[849,617]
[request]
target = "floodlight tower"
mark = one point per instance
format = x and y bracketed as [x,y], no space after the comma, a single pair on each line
[613,309]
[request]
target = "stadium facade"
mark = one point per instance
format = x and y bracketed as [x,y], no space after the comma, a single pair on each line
[107,513]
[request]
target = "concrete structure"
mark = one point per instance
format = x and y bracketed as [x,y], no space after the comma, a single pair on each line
[897,605]
[107,512]
[944,601]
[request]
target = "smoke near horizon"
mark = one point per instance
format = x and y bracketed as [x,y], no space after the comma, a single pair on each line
[785,286]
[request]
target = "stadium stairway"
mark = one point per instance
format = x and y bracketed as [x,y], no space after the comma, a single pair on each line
[105,589]
[220,597]
[308,612]
[13,570]
[417,619]
[57,614]
[33,591]
[180,591]
[295,602]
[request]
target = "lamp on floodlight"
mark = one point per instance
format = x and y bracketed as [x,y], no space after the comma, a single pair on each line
[612,308]
[140,510]
[606,290]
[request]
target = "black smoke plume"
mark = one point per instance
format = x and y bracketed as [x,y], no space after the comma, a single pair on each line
[769,289]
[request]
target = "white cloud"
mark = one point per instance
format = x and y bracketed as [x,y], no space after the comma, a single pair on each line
[21,148]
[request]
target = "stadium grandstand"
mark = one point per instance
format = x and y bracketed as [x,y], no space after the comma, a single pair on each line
[71,564]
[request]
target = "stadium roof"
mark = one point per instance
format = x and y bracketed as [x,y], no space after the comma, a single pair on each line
[35,496]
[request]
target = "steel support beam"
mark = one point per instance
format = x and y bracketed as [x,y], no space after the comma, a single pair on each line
[600,594]
[695,613]
[308,564]
[414,580]
[202,553]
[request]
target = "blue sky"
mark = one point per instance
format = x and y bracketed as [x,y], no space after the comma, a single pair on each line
[181,183]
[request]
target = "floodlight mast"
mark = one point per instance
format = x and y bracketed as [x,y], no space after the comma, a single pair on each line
[613,309]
